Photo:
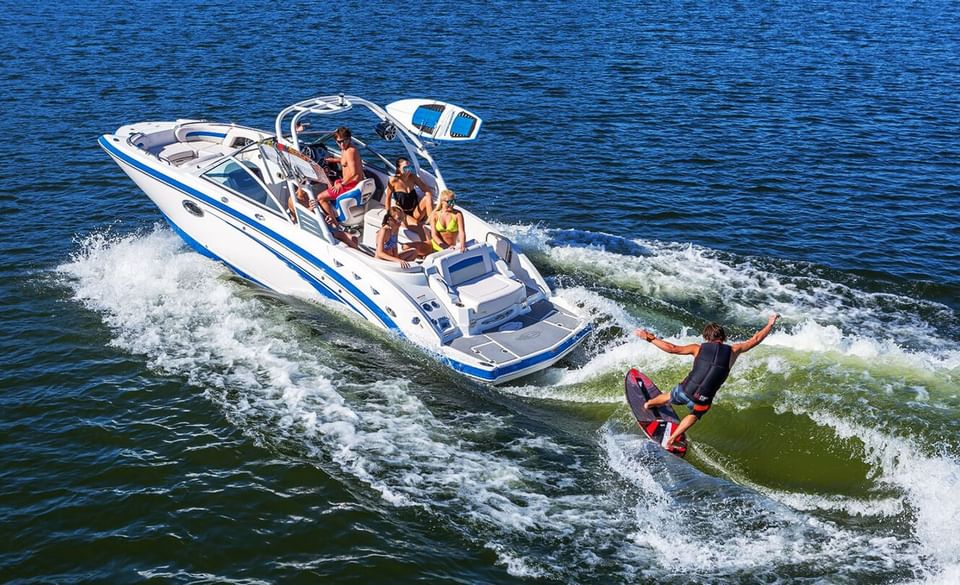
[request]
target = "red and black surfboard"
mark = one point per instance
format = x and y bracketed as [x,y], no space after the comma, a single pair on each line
[658,422]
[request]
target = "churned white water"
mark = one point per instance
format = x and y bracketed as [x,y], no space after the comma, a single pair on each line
[746,291]
[620,507]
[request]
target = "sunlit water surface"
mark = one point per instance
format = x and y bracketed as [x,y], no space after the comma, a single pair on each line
[664,164]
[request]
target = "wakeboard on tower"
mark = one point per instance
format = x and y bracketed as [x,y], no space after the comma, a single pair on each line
[658,422]
[435,120]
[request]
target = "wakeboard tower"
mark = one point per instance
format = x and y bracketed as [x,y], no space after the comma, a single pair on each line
[658,422]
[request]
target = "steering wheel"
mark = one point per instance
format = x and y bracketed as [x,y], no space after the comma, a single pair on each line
[320,154]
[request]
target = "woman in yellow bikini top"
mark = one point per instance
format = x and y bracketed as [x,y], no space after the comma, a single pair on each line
[447,224]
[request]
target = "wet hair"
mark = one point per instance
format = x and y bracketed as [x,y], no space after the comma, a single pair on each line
[393,209]
[714,332]
[342,133]
[400,160]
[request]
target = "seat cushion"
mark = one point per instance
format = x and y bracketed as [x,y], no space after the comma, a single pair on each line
[466,266]
[490,293]
[348,207]
[177,153]
[351,205]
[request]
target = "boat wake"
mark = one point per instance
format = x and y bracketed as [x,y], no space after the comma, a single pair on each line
[551,503]
[688,280]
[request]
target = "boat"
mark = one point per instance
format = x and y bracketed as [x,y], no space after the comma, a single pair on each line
[485,311]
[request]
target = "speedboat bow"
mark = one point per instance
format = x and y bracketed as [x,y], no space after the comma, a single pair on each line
[485,311]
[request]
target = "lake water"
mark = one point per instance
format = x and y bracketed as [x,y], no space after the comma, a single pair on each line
[664,163]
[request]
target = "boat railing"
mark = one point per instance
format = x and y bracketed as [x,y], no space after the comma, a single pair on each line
[332,105]
[502,245]
[311,221]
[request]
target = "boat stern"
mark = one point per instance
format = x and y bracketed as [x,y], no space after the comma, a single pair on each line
[531,343]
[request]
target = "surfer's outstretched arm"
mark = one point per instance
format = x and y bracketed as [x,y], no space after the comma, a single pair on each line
[690,349]
[759,336]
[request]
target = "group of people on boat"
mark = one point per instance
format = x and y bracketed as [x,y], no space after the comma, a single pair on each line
[412,226]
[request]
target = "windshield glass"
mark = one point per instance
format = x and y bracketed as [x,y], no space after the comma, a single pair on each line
[244,178]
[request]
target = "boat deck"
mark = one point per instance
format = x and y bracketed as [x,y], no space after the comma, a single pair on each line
[540,329]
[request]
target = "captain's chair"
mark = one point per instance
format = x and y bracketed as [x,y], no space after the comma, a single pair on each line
[478,284]
[350,206]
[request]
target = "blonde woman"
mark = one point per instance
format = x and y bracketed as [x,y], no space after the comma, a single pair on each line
[447,223]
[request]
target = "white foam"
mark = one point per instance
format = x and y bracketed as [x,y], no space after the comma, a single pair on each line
[731,531]
[827,316]
[516,565]
[597,307]
[543,520]
[949,575]
[852,506]
[812,337]
[173,307]
[626,454]
[929,483]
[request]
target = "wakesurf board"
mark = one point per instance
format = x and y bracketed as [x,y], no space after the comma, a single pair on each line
[658,422]
[436,120]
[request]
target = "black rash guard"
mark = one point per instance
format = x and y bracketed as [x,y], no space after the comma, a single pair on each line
[710,370]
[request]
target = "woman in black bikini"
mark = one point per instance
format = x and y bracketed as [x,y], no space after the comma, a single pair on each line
[402,190]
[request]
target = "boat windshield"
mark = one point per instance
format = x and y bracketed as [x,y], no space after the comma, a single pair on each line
[244,178]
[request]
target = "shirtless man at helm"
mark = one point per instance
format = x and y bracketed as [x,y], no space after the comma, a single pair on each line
[712,361]
[350,164]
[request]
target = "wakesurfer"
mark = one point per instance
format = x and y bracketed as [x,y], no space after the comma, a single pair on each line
[712,361]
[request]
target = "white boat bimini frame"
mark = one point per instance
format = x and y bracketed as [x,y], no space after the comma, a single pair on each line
[225,189]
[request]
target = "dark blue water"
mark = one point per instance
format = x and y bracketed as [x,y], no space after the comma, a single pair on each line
[665,163]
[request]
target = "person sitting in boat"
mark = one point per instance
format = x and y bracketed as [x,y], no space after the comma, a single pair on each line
[351,167]
[447,224]
[413,232]
[712,361]
[305,198]
[402,190]
[413,235]
[388,245]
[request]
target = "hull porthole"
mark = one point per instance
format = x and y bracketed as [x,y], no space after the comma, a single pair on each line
[192,208]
